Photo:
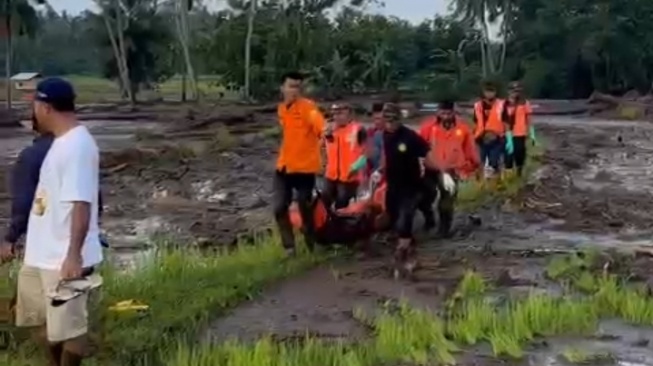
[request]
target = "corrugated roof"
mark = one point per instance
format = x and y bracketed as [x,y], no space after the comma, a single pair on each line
[24,76]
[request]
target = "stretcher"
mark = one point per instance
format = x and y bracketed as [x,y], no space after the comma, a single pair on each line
[346,226]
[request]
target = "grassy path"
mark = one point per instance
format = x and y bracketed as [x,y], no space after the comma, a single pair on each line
[185,289]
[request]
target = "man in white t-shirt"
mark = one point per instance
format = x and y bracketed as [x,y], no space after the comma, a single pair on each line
[62,249]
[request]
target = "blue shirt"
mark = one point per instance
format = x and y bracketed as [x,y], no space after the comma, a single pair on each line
[377,150]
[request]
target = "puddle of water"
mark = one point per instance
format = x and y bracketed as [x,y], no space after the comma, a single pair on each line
[206,191]
[622,346]
[132,241]
[628,240]
[129,259]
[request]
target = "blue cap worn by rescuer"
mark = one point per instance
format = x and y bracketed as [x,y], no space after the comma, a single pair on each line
[54,90]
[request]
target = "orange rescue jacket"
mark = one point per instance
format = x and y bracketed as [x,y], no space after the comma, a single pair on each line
[494,121]
[426,127]
[520,114]
[454,148]
[302,125]
[342,151]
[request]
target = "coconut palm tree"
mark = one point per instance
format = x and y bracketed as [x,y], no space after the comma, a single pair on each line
[482,13]
[19,17]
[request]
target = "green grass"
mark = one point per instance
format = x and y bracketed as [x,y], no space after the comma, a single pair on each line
[404,335]
[94,89]
[184,289]
[473,193]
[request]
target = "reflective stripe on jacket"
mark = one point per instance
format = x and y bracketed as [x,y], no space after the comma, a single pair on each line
[342,151]
[494,121]
[520,114]
[454,148]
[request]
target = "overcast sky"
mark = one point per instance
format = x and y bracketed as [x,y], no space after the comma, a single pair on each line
[413,10]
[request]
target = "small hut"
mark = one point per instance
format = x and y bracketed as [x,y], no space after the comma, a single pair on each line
[25,83]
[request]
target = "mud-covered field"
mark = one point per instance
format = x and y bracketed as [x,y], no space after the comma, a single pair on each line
[207,184]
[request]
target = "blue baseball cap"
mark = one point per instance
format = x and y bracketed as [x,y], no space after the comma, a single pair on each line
[55,91]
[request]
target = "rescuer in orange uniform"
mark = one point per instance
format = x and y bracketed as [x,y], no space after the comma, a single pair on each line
[519,114]
[491,119]
[345,145]
[454,152]
[299,160]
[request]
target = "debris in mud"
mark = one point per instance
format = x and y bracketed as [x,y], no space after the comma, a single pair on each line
[630,106]
[589,184]
[582,357]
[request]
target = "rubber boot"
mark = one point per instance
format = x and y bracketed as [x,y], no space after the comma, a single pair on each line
[405,259]
[445,224]
[429,220]
[286,233]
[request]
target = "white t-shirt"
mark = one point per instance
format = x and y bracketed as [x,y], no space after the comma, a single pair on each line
[70,172]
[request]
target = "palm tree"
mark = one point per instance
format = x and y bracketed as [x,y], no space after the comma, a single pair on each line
[183,7]
[251,14]
[19,18]
[482,13]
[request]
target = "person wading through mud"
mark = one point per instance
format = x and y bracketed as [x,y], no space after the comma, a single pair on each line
[490,120]
[345,147]
[63,245]
[404,150]
[519,117]
[375,139]
[24,179]
[299,160]
[454,152]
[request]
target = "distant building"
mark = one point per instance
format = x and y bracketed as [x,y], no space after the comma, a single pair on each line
[25,83]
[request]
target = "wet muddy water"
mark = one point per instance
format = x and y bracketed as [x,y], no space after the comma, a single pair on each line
[591,191]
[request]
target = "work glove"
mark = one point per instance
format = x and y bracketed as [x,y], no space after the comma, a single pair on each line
[510,147]
[375,178]
[531,135]
[359,164]
[449,183]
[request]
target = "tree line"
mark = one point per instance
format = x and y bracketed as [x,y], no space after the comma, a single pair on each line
[559,49]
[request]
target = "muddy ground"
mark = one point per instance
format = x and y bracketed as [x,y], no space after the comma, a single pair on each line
[591,190]
[183,180]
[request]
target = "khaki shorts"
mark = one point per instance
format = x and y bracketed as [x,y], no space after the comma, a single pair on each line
[33,308]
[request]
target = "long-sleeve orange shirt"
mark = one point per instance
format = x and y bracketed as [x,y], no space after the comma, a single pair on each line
[302,126]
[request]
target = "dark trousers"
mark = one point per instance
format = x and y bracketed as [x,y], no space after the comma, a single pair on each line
[446,204]
[518,157]
[339,193]
[493,151]
[303,185]
[401,203]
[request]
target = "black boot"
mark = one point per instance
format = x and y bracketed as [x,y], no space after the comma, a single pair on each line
[287,236]
[446,222]
[429,221]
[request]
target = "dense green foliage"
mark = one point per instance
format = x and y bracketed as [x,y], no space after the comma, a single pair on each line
[561,49]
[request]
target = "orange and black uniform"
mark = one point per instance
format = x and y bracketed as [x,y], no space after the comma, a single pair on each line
[298,163]
[343,147]
[519,114]
[453,150]
[490,118]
